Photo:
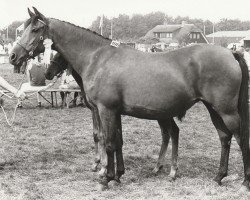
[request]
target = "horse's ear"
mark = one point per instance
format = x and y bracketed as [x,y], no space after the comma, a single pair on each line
[39,15]
[31,13]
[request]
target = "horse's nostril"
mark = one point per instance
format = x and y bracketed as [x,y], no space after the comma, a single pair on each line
[13,57]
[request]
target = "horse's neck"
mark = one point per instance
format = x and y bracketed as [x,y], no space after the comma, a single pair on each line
[74,43]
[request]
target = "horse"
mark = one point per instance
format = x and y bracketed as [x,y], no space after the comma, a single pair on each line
[56,67]
[124,81]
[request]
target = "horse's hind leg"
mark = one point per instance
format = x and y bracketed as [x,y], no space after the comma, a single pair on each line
[174,134]
[96,136]
[165,126]
[169,129]
[226,125]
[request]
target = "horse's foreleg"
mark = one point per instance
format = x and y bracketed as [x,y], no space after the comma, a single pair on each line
[120,170]
[108,131]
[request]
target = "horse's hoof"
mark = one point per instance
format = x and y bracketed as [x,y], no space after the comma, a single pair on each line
[170,178]
[94,167]
[244,189]
[117,179]
[157,169]
[114,183]
[102,187]
[120,173]
[218,181]
[102,172]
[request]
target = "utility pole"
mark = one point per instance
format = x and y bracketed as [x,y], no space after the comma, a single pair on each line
[7,33]
[111,35]
[101,23]
[213,33]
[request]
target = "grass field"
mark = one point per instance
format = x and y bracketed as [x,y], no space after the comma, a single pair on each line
[48,153]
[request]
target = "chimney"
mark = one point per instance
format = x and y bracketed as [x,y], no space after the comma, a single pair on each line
[183,23]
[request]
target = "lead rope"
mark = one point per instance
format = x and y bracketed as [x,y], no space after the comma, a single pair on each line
[10,122]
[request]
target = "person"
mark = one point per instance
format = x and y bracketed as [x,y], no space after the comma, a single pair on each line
[12,89]
[68,82]
[36,78]
[48,53]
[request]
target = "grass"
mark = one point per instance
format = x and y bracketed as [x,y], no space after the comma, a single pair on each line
[48,153]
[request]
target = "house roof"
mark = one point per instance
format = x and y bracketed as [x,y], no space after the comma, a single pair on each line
[229,34]
[247,37]
[180,31]
[170,28]
[166,28]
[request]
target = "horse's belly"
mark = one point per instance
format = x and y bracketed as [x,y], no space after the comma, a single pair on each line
[157,112]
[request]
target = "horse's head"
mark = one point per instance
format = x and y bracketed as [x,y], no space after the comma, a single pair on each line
[31,42]
[56,67]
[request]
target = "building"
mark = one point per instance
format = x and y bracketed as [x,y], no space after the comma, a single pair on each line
[247,41]
[178,33]
[224,38]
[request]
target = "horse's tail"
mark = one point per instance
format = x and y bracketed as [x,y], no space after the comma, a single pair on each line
[243,106]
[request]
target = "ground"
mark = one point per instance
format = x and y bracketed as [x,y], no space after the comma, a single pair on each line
[48,152]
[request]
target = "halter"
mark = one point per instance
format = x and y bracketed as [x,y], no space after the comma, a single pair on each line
[36,42]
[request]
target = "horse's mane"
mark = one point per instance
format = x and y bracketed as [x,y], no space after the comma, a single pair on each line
[85,29]
[28,21]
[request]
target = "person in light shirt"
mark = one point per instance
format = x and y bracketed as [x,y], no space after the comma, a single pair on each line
[36,78]
[68,82]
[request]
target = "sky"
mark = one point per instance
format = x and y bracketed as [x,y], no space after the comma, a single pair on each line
[83,12]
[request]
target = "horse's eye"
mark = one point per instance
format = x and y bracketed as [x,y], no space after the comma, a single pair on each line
[34,30]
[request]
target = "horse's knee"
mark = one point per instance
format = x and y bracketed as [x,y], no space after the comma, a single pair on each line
[110,149]
[225,140]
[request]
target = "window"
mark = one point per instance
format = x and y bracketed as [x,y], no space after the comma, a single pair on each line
[169,35]
[157,35]
[163,35]
[166,35]
[194,35]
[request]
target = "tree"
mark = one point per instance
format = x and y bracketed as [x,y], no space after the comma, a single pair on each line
[232,25]
[11,31]
[135,27]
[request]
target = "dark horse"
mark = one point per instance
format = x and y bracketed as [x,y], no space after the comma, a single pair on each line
[56,67]
[124,81]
